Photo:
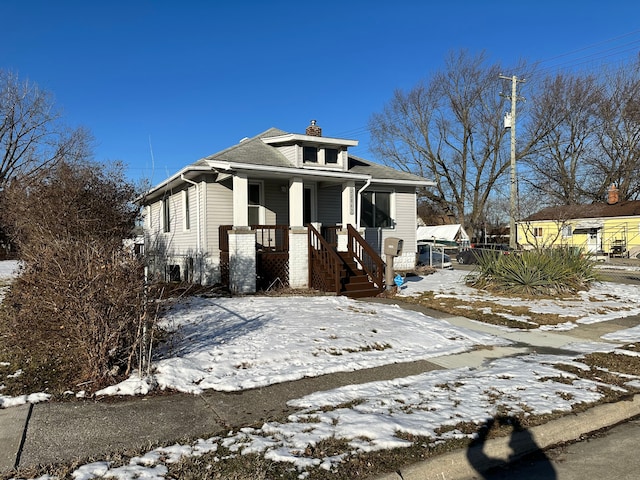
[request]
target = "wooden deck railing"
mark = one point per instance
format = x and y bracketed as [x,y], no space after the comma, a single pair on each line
[324,264]
[367,257]
[273,238]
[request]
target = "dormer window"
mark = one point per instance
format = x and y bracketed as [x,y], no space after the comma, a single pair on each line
[321,155]
[310,155]
[331,156]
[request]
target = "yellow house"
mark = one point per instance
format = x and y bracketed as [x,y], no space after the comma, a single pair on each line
[609,228]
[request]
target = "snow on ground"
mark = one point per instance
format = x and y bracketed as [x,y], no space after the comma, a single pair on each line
[232,344]
[8,269]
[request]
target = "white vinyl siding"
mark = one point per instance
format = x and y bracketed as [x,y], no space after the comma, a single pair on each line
[219,211]
[405,218]
[276,198]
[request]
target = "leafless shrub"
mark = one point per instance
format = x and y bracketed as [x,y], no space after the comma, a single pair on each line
[77,310]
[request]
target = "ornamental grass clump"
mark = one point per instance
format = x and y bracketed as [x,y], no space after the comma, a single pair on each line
[549,272]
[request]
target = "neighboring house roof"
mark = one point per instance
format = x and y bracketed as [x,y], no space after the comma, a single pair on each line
[258,154]
[594,210]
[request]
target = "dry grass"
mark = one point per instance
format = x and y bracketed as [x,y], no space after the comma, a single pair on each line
[488,312]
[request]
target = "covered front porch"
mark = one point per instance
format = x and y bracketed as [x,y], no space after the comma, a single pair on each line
[329,259]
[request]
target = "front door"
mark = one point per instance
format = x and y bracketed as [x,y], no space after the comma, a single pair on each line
[593,240]
[309,205]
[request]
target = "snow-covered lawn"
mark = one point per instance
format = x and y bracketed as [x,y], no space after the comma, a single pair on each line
[238,343]
[230,344]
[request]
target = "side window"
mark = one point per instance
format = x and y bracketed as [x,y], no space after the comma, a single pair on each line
[166,215]
[376,210]
[255,194]
[186,210]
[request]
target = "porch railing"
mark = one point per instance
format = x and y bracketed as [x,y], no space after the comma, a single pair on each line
[366,256]
[272,254]
[272,238]
[324,264]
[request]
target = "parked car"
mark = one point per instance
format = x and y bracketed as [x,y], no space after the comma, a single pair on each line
[472,254]
[432,256]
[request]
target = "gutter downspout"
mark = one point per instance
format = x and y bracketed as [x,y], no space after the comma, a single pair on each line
[359,209]
[198,245]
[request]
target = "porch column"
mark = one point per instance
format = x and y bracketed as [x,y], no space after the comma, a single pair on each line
[349,203]
[242,260]
[296,202]
[240,199]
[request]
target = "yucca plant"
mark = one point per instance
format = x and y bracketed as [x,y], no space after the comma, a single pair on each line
[535,272]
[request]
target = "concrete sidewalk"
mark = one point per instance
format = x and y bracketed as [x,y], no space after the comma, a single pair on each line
[48,433]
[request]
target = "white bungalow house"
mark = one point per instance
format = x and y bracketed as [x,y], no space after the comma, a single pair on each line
[282,209]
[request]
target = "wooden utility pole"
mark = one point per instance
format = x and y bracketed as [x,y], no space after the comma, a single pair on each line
[513,203]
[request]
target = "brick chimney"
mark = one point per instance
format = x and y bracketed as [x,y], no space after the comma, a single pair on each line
[612,194]
[314,130]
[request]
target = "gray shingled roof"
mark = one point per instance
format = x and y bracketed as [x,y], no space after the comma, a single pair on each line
[377,171]
[254,151]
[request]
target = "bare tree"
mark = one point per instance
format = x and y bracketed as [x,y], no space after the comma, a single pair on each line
[450,129]
[617,159]
[32,136]
[563,109]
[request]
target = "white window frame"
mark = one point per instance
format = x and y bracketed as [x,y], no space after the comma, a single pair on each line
[186,211]
[392,208]
[165,214]
[260,206]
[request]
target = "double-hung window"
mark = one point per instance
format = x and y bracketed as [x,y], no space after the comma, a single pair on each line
[376,210]
[255,202]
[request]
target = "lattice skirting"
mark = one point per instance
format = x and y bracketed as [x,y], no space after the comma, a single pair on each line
[272,269]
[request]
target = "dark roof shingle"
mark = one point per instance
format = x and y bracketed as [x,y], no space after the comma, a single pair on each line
[594,210]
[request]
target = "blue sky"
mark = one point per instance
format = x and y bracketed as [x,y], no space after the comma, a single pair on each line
[161,84]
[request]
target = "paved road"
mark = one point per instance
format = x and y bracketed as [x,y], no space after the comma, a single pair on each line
[612,454]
